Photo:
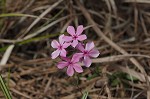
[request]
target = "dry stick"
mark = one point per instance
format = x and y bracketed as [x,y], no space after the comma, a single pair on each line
[47,85]
[137,1]
[117,58]
[21,94]
[6,56]
[100,33]
[26,7]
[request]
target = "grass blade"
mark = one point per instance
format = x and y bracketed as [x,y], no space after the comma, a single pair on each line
[85,95]
[5,89]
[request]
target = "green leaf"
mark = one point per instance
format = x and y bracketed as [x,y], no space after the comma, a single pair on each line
[38,38]
[92,76]
[115,82]
[131,78]
[4,48]
[3,5]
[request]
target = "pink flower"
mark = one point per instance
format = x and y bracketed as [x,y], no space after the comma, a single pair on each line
[71,64]
[75,35]
[88,52]
[60,46]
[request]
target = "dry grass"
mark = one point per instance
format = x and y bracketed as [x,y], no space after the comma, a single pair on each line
[119,28]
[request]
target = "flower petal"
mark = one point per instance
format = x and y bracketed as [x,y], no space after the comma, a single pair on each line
[76,57]
[82,37]
[62,64]
[63,53]
[67,38]
[70,71]
[65,45]
[79,29]
[80,47]
[89,46]
[55,54]
[94,53]
[61,39]
[54,44]
[74,43]
[77,68]
[87,61]
[65,59]
[71,30]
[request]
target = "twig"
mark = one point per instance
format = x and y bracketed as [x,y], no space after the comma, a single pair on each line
[6,55]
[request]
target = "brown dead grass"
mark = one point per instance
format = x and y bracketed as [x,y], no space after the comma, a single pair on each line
[119,28]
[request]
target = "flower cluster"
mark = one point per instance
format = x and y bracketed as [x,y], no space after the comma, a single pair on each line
[83,52]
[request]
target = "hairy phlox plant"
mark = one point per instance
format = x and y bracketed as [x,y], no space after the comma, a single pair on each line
[83,54]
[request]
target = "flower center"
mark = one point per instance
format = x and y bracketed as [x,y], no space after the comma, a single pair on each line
[75,37]
[60,47]
[69,63]
[85,52]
